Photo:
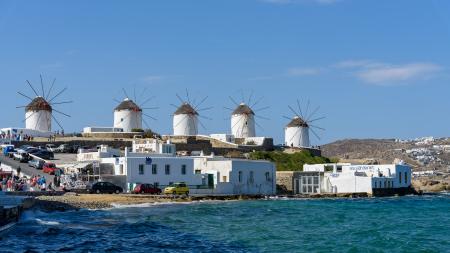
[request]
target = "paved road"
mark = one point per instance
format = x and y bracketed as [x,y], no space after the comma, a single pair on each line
[25,168]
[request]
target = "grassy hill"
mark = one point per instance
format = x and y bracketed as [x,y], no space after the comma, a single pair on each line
[289,162]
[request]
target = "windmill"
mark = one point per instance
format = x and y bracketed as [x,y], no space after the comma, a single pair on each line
[297,130]
[243,116]
[186,117]
[129,113]
[39,111]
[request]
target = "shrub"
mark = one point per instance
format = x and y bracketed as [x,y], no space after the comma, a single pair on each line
[289,162]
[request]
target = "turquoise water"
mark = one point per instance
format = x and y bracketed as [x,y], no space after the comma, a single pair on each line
[400,224]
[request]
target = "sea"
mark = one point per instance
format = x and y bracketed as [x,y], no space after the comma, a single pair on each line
[391,224]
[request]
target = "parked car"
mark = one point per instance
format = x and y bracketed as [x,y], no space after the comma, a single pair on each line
[7,149]
[44,154]
[21,156]
[146,188]
[36,163]
[177,189]
[105,187]
[63,148]
[51,147]
[49,168]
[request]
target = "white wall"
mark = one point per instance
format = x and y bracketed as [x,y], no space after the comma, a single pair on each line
[243,125]
[128,120]
[39,120]
[226,175]
[183,124]
[131,166]
[296,137]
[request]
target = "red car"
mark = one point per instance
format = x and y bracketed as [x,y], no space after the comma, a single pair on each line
[146,188]
[49,168]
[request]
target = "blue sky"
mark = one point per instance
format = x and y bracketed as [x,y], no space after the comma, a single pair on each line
[378,69]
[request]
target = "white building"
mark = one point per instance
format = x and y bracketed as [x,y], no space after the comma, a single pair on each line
[347,178]
[237,176]
[102,130]
[153,146]
[296,133]
[203,175]
[243,122]
[185,120]
[85,155]
[128,116]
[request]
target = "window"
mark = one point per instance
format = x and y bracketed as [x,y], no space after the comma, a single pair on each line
[141,169]
[154,169]
[252,179]
[240,176]
[121,169]
[183,169]
[267,176]
[384,183]
[406,177]
[375,184]
[224,178]
[400,178]
[198,172]
[167,169]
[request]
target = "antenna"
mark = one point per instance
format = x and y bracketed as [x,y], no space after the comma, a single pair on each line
[42,87]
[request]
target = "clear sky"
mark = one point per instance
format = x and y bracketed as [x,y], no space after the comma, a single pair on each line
[378,69]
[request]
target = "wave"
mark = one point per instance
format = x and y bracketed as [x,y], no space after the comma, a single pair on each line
[48,223]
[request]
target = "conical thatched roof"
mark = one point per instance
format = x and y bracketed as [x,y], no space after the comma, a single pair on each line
[38,104]
[128,104]
[186,108]
[243,109]
[297,122]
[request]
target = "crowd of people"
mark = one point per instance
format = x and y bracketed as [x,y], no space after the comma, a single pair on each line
[15,182]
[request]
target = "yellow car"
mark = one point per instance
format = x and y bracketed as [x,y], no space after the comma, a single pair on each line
[177,188]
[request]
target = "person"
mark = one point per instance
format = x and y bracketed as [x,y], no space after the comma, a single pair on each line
[18,171]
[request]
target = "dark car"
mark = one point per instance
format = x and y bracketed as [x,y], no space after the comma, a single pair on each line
[146,188]
[105,187]
[44,154]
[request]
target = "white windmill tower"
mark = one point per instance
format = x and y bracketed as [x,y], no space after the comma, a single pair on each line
[128,113]
[296,132]
[243,117]
[39,111]
[186,117]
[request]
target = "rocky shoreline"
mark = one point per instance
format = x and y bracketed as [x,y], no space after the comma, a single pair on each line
[73,201]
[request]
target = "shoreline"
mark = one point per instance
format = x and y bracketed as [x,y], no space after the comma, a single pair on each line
[74,201]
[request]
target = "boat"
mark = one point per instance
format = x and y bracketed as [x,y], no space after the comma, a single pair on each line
[9,216]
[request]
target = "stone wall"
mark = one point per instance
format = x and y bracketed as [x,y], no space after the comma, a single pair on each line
[285,182]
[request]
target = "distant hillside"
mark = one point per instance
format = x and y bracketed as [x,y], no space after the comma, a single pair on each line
[386,151]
